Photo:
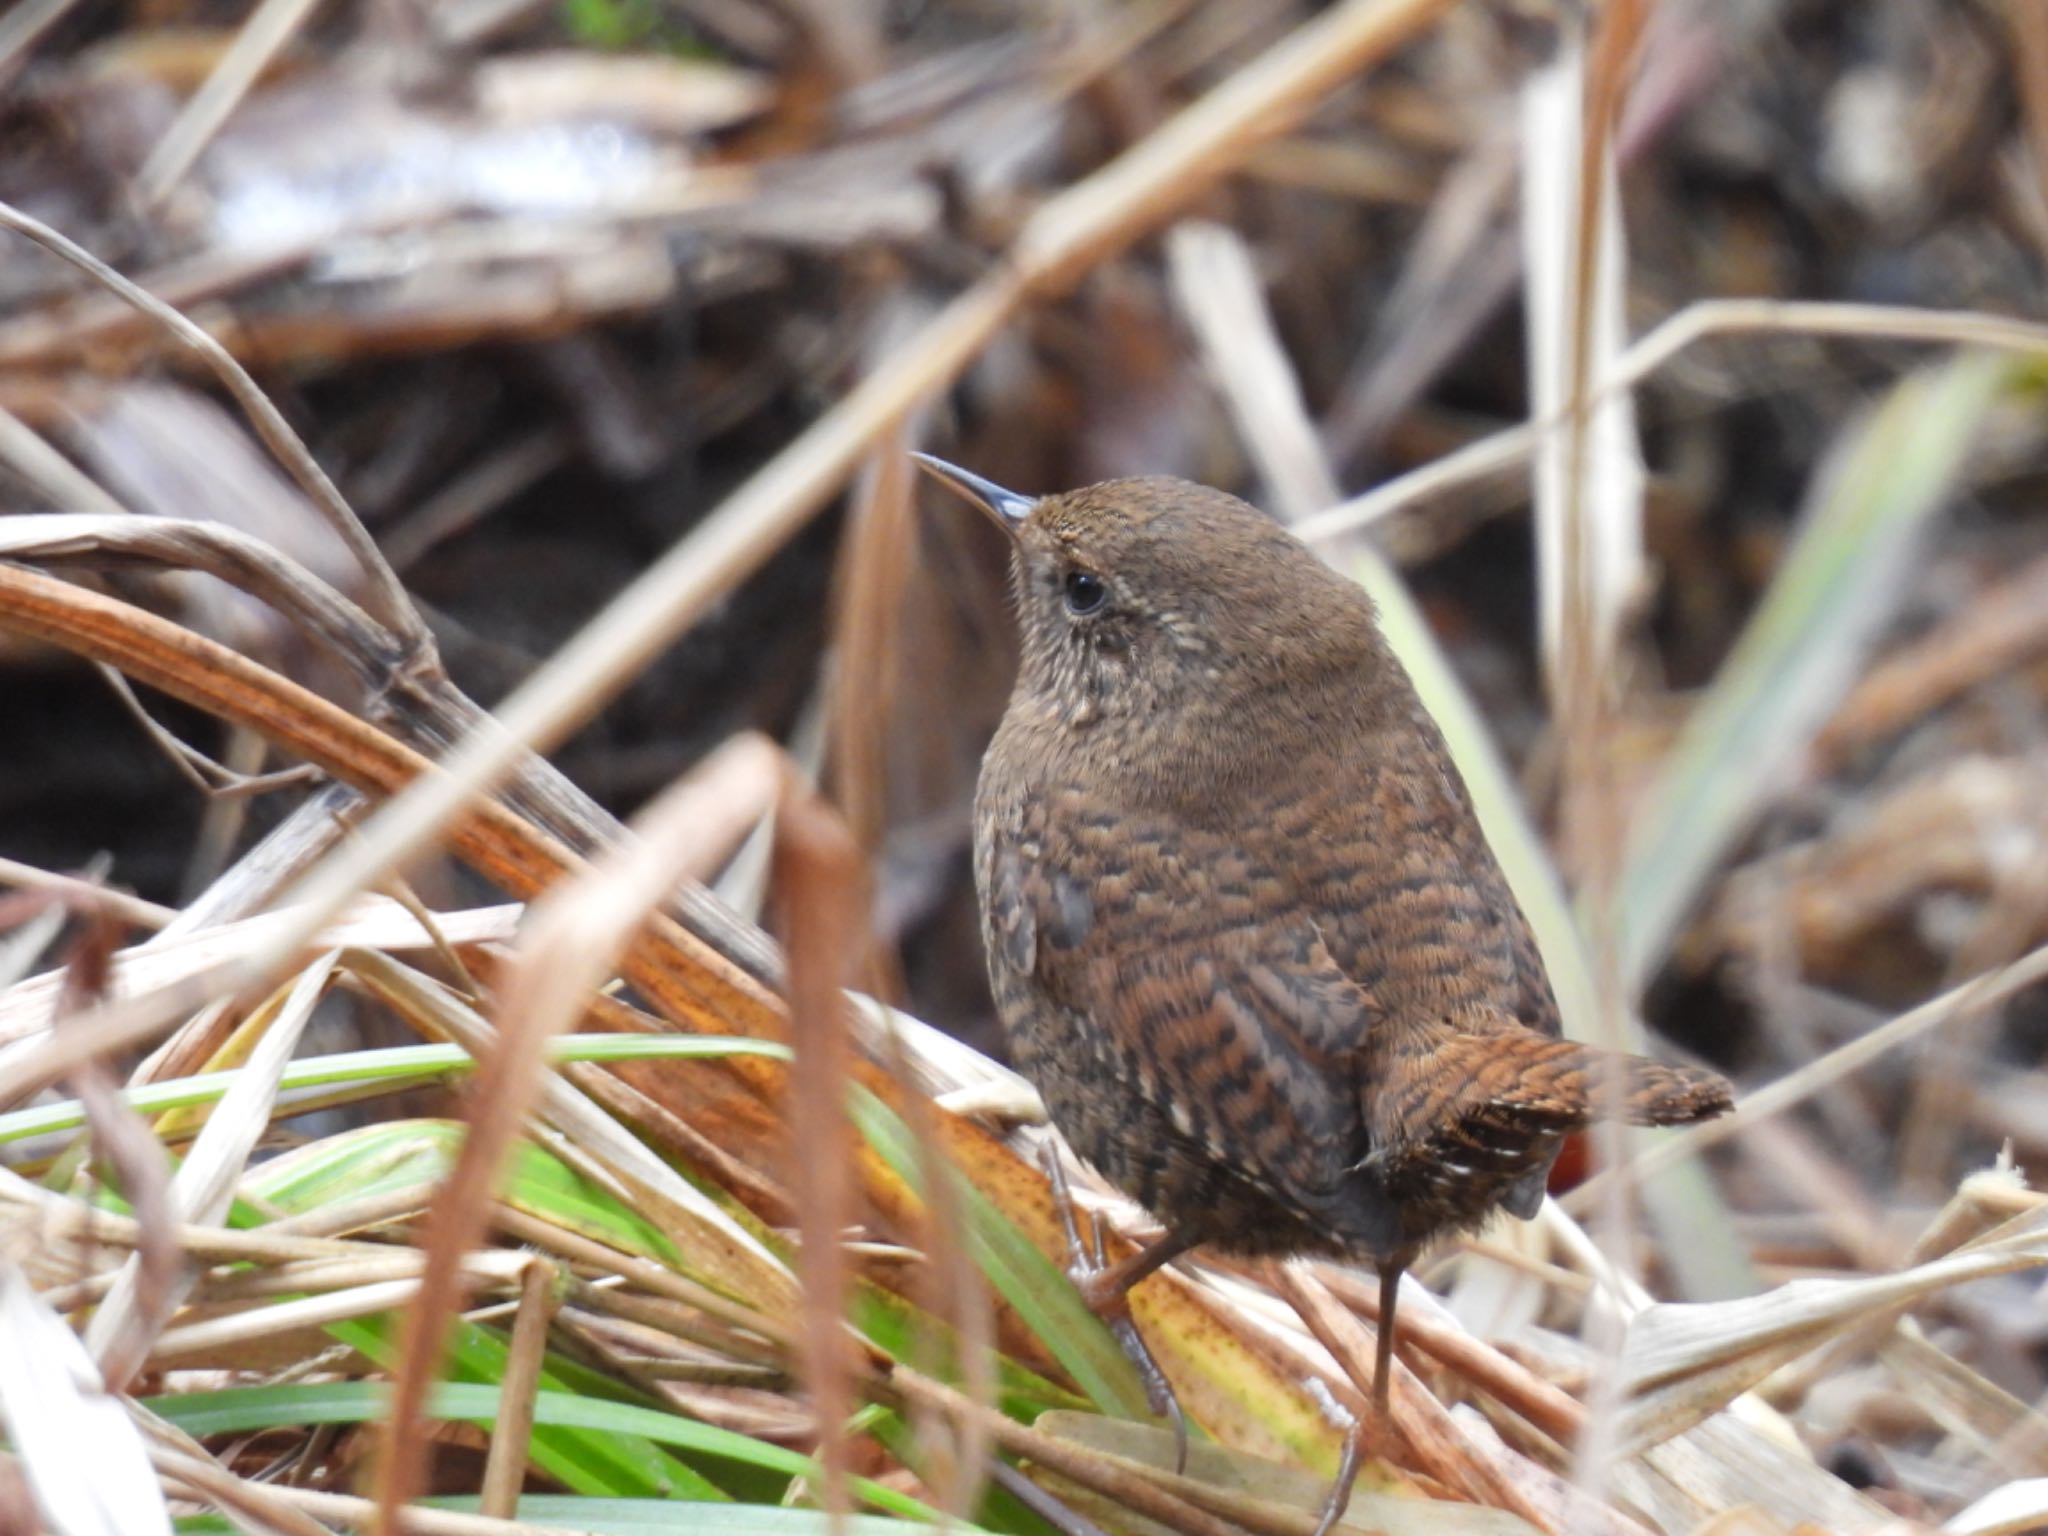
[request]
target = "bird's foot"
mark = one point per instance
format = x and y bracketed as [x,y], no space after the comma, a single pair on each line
[1099,1289]
[1349,1459]
[1105,1290]
[1085,1267]
[1159,1394]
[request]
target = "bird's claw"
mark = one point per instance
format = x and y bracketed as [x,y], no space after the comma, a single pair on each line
[1102,1293]
[1159,1394]
[1078,1266]
[1354,1431]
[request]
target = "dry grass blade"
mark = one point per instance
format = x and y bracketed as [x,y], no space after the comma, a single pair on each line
[376,923]
[1725,1464]
[1453,275]
[63,482]
[188,1469]
[217,1339]
[1094,218]
[267,30]
[1683,1362]
[955,1288]
[1131,1488]
[123,1145]
[1855,322]
[251,883]
[213,678]
[2000,1430]
[62,1220]
[2014,1510]
[878,572]
[1218,288]
[505,1471]
[1427,1327]
[203,1187]
[33,921]
[246,563]
[877,568]
[23,24]
[822,886]
[1502,451]
[81,1456]
[1588,474]
[86,896]
[1589,488]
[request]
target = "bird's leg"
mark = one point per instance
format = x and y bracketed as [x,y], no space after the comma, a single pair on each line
[1383,1345]
[1105,1290]
[1382,1381]
[1105,1287]
[1063,1202]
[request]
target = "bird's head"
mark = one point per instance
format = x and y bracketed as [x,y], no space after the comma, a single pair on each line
[1146,595]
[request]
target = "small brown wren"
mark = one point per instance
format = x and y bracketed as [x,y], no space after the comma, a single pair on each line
[1243,928]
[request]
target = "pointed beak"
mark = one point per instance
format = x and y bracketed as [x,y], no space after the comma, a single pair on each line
[1006,508]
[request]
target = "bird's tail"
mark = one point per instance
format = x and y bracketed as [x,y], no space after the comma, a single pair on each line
[1568,1085]
[1516,1080]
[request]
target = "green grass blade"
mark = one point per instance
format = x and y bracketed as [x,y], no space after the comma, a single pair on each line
[240,1410]
[596,1463]
[652,1517]
[641,1517]
[398,1067]
[1025,1278]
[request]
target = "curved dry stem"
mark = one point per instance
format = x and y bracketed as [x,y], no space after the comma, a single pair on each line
[243,561]
[1510,448]
[387,593]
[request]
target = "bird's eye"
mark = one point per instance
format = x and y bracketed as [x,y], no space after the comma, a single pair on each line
[1085,593]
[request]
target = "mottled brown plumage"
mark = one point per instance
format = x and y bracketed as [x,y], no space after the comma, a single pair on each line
[1243,928]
